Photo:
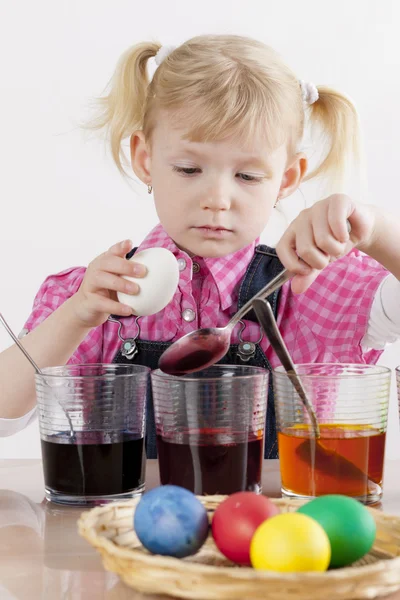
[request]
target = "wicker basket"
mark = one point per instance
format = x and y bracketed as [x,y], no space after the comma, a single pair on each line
[210,576]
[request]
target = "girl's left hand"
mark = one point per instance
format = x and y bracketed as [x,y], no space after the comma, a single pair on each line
[320,235]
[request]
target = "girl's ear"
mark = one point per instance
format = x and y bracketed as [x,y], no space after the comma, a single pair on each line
[293,176]
[140,157]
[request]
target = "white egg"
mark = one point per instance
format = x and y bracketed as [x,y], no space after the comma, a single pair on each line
[158,287]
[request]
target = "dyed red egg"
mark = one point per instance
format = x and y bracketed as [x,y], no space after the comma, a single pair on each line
[235,522]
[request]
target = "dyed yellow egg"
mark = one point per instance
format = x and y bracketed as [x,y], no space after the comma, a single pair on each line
[290,542]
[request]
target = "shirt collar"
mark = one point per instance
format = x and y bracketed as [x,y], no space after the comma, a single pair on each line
[226,271]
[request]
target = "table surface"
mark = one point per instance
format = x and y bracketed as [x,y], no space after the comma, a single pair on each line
[42,557]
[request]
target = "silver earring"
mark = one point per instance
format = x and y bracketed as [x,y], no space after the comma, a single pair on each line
[149,188]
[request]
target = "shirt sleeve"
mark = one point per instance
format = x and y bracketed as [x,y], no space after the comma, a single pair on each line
[384,319]
[55,290]
[11,426]
[328,322]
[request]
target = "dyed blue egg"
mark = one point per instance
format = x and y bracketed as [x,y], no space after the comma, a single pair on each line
[171,521]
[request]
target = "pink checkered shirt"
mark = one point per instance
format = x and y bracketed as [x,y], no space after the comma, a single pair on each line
[325,324]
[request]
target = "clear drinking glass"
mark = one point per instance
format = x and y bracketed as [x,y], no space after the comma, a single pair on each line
[351,403]
[210,428]
[92,429]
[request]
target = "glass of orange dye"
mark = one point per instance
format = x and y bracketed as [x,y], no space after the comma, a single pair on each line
[351,402]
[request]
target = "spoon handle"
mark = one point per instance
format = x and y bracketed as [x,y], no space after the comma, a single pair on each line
[270,288]
[20,346]
[267,321]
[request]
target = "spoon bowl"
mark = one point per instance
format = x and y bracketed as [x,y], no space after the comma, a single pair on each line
[196,350]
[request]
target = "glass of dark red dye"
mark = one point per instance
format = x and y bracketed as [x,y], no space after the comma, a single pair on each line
[210,428]
[92,430]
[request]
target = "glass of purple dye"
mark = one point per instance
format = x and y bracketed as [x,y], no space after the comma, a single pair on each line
[92,430]
[210,428]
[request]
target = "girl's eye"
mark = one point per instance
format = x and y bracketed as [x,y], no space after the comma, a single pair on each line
[186,170]
[248,178]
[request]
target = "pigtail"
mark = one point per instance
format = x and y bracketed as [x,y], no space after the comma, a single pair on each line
[121,111]
[336,120]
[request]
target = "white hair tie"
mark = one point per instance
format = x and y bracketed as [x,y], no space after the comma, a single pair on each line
[162,54]
[309,92]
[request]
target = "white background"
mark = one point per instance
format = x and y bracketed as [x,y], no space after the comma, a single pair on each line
[62,200]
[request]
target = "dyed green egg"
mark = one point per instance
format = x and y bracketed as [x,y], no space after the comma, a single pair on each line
[350,527]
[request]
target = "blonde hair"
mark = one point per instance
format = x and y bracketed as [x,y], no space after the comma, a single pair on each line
[225,85]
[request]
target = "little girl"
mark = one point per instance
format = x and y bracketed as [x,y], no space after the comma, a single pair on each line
[216,136]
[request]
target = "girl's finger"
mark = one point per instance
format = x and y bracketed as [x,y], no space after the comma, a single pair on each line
[324,238]
[339,210]
[307,249]
[287,253]
[101,304]
[101,280]
[121,248]
[119,266]
[300,283]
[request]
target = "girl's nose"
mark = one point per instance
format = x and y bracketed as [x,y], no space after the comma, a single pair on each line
[216,198]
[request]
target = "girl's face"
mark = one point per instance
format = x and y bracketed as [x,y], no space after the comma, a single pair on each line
[213,198]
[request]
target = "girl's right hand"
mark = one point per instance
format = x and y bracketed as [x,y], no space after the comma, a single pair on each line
[96,298]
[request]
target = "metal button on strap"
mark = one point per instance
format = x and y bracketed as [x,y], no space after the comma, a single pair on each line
[188,315]
[181,264]
[196,267]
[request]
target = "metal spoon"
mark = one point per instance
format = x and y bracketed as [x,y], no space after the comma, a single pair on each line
[266,318]
[34,365]
[204,347]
